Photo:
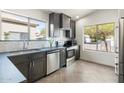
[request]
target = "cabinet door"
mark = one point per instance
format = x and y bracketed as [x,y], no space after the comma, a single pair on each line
[65,21]
[51,24]
[77,53]
[54,22]
[24,68]
[38,69]
[22,63]
[73,27]
[56,25]
[62,58]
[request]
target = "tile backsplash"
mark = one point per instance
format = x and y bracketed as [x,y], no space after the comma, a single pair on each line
[7,46]
[18,45]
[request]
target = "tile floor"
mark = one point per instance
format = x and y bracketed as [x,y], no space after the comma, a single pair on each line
[82,72]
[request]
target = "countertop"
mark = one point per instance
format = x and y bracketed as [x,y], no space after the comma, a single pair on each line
[31,51]
[8,71]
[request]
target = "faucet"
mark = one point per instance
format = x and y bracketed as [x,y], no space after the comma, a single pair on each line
[25,44]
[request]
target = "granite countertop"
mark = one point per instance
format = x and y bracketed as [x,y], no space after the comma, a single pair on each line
[8,71]
[30,51]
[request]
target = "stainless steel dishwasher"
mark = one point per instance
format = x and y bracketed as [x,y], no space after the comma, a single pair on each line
[53,61]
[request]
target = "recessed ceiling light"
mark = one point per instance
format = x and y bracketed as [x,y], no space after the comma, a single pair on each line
[77,17]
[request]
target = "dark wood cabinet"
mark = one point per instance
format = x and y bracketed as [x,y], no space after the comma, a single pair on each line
[54,24]
[65,21]
[22,63]
[38,65]
[77,53]
[32,66]
[62,58]
[73,28]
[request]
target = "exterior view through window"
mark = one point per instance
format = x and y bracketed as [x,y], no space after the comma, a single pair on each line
[37,30]
[99,37]
[17,27]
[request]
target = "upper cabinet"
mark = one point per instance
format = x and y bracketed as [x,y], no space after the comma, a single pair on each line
[65,21]
[61,21]
[54,23]
[73,28]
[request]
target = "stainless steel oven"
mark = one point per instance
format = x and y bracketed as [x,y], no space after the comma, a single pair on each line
[70,54]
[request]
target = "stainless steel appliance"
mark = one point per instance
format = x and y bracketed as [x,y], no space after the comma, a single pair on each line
[116,64]
[53,61]
[71,47]
[70,54]
[121,50]
[70,43]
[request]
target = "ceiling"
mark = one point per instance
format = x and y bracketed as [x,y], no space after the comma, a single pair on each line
[74,13]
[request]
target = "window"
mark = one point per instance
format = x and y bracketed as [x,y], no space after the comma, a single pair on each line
[17,27]
[99,37]
[90,37]
[37,29]
[13,27]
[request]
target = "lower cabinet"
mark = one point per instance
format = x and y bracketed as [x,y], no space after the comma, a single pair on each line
[38,66]
[22,63]
[77,53]
[32,66]
[62,58]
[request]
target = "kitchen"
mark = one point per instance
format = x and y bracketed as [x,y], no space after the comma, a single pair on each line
[29,58]
[39,44]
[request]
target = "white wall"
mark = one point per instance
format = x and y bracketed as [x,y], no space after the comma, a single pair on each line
[98,17]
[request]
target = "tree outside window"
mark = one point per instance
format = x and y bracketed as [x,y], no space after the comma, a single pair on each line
[90,37]
[99,37]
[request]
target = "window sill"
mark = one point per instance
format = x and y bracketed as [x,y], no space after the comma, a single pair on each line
[89,50]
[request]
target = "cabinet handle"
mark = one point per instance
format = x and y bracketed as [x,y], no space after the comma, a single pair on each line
[33,63]
[30,65]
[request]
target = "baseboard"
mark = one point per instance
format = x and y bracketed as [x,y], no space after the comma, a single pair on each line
[96,63]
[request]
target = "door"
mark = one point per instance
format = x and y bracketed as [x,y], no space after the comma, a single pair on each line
[38,66]
[54,22]
[77,53]
[53,61]
[70,53]
[63,58]
[72,25]
[121,52]
[56,25]
[22,64]
[117,49]
[64,21]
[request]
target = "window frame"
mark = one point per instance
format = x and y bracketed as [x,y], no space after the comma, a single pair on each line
[114,30]
[28,24]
